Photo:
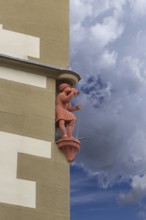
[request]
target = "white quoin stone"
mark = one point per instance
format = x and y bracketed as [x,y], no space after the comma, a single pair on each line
[18,45]
[13,190]
[23,77]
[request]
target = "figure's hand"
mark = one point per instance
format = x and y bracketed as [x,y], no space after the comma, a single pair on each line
[78,107]
[75,91]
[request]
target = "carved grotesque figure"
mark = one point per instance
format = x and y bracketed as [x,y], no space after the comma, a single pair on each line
[65,120]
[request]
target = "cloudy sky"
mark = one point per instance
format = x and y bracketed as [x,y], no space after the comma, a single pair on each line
[108,49]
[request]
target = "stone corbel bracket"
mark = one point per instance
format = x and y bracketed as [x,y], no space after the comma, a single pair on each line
[70,147]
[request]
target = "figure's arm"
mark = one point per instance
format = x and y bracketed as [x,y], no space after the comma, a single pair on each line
[73,108]
[67,97]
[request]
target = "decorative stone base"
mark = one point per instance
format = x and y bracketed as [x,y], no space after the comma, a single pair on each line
[70,147]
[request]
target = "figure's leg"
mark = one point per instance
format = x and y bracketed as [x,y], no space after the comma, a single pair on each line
[70,128]
[62,128]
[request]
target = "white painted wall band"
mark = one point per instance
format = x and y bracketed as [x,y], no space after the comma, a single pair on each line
[23,77]
[19,45]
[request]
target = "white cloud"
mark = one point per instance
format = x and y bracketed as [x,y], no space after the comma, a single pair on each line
[86,198]
[79,32]
[107,59]
[107,32]
[80,10]
[138,7]
[142,215]
[138,191]
[85,26]
[135,67]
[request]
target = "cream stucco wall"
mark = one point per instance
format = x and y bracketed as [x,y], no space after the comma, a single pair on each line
[47,20]
[34,173]
[34,35]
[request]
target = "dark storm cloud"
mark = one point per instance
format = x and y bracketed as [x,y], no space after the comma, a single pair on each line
[96,90]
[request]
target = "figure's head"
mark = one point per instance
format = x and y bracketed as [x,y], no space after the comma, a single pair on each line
[64,87]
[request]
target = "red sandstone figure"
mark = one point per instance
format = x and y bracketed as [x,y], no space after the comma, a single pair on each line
[64,117]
